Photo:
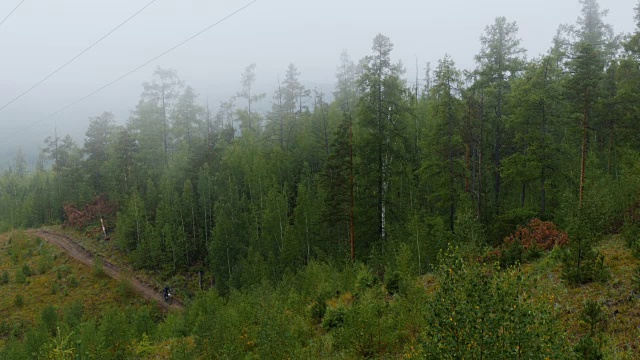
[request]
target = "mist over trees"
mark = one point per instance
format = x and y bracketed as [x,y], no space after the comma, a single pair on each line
[435,218]
[249,196]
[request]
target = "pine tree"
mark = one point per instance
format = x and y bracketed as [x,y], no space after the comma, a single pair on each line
[301,239]
[500,59]
[98,139]
[539,111]
[161,93]
[187,121]
[444,166]
[594,31]
[131,228]
[381,136]
[337,182]
[248,80]
[587,69]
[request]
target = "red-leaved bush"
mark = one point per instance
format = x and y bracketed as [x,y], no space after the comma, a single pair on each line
[539,234]
[527,241]
[99,206]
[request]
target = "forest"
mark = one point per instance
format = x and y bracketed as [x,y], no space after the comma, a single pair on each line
[328,212]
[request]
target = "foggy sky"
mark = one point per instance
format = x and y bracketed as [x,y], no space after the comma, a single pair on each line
[43,34]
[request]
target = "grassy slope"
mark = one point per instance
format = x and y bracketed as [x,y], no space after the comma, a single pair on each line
[57,280]
[182,284]
[620,302]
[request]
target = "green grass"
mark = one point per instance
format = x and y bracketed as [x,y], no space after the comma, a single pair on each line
[106,249]
[48,277]
[620,335]
[185,284]
[51,280]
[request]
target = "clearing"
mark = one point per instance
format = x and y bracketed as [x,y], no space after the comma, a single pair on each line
[74,250]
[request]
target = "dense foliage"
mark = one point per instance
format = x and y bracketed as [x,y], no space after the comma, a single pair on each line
[323,311]
[468,157]
[381,176]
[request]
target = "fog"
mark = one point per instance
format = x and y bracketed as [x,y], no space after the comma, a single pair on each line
[42,35]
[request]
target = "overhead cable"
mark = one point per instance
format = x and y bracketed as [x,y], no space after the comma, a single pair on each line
[77,56]
[135,69]
[14,9]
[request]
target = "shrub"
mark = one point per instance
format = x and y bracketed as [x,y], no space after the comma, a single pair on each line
[369,329]
[581,262]
[49,318]
[504,223]
[54,288]
[45,262]
[20,277]
[528,242]
[183,350]
[18,301]
[334,317]
[62,271]
[142,321]
[511,254]
[98,267]
[98,207]
[4,278]
[125,289]
[73,314]
[583,267]
[478,312]
[73,282]
[318,309]
[392,282]
[365,279]
[592,314]
[114,333]
[630,232]
[26,270]
[588,349]
[61,347]
[636,280]
[5,329]
[35,341]
[538,234]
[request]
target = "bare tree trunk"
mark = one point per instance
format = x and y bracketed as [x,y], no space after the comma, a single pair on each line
[381,167]
[585,125]
[351,207]
[610,150]
[543,175]
[467,165]
[497,155]
[452,209]
[480,153]
[280,116]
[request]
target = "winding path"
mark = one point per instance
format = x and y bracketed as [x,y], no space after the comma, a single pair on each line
[77,252]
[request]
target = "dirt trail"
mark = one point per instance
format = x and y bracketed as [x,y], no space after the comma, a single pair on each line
[77,252]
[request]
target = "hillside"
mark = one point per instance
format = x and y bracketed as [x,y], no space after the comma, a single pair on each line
[323,311]
[86,256]
[45,288]
[487,212]
[42,274]
[619,297]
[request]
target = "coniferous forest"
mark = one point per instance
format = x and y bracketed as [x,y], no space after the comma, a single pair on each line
[388,219]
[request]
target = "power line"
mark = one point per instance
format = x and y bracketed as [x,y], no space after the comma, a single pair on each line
[77,56]
[134,70]
[14,9]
